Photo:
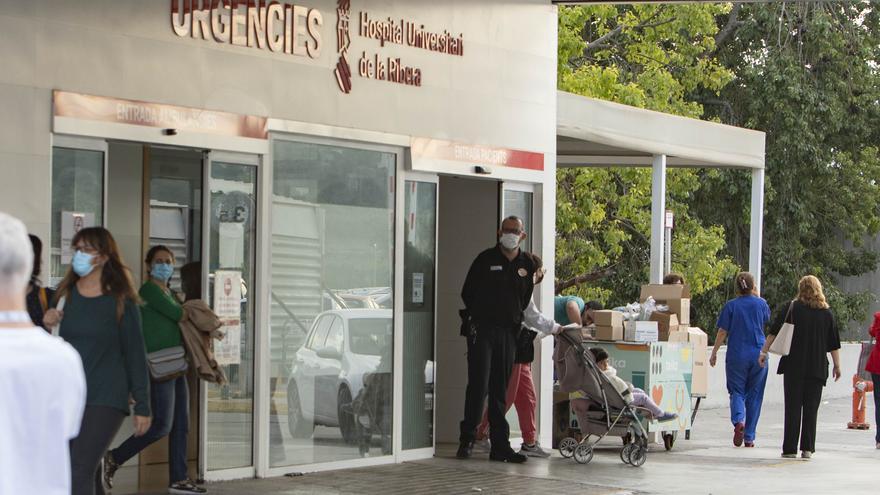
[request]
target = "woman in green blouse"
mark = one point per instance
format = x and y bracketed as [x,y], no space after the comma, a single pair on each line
[161,314]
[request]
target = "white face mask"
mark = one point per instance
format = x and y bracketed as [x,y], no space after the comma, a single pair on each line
[510,241]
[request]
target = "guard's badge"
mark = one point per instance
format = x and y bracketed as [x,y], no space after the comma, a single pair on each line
[522,272]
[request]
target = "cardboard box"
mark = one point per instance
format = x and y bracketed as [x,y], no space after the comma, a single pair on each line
[608,318]
[640,331]
[677,297]
[700,376]
[666,322]
[678,336]
[613,333]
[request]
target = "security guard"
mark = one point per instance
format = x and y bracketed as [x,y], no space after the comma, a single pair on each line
[497,289]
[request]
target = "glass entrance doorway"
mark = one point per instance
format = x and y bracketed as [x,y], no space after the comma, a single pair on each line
[229,248]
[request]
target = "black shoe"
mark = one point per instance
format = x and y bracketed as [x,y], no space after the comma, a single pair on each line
[110,468]
[508,456]
[464,450]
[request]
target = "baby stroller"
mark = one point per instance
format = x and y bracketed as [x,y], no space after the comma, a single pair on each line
[608,414]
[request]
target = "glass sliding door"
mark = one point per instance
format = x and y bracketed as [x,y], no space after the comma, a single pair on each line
[231,233]
[331,342]
[419,262]
[518,202]
[78,196]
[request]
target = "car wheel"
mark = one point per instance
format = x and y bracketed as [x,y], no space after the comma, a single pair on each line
[296,423]
[345,414]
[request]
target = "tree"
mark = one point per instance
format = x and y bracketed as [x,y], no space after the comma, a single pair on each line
[652,57]
[806,74]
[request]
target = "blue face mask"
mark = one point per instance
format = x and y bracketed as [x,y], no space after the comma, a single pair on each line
[162,271]
[82,263]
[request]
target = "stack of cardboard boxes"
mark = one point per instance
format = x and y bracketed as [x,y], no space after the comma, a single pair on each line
[609,324]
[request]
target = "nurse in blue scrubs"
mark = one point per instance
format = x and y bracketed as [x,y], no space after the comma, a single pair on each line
[742,323]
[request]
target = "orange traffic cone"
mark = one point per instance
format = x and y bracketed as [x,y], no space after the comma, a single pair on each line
[860,391]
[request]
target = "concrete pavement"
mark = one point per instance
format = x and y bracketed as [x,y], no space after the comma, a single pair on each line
[845,462]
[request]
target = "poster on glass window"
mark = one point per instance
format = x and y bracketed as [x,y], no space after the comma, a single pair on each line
[227,306]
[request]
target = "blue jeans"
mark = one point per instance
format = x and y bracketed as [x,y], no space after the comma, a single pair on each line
[745,384]
[169,401]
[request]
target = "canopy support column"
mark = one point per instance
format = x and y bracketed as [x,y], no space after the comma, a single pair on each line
[658,217]
[757,225]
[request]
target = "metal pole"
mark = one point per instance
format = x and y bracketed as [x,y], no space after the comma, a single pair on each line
[658,217]
[757,225]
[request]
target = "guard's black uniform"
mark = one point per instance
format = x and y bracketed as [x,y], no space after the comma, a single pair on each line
[496,292]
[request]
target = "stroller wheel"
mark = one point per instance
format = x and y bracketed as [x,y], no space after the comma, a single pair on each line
[583,454]
[625,452]
[638,456]
[567,446]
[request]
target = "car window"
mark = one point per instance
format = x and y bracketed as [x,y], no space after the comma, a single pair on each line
[319,334]
[370,336]
[334,336]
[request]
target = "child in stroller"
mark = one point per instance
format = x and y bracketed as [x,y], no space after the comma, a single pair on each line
[632,395]
[601,408]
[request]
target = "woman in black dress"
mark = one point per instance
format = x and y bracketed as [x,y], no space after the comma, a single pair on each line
[805,369]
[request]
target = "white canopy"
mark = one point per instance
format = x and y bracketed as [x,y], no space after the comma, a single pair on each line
[591,132]
[596,133]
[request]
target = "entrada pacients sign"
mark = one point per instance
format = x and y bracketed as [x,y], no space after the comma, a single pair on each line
[297,30]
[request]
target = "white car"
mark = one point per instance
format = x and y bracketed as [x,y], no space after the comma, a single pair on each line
[328,369]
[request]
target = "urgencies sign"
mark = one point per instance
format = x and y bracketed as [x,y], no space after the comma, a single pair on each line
[278,27]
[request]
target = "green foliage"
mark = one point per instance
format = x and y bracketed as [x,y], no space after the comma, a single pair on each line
[651,57]
[807,76]
[805,73]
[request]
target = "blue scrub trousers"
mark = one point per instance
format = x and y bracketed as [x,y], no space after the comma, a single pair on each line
[745,384]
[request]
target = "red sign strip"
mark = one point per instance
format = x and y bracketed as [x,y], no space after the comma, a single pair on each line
[470,153]
[141,113]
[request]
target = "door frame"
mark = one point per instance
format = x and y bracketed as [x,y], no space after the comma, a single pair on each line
[254,160]
[399,296]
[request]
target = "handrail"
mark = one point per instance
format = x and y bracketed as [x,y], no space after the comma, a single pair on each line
[289,312]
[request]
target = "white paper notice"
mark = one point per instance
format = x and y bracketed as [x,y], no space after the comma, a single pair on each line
[418,288]
[227,306]
[71,223]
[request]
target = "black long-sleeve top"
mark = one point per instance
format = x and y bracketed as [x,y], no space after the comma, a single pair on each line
[815,335]
[497,290]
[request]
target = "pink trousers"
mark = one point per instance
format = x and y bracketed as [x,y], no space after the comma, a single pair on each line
[520,393]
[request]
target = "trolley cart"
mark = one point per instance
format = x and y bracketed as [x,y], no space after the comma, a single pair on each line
[664,371]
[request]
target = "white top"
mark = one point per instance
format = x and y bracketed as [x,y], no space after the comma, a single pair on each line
[42,397]
[533,318]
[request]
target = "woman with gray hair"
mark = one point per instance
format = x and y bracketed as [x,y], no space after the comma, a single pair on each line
[42,384]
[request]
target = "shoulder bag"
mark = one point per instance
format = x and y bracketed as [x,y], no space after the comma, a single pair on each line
[167,364]
[781,345]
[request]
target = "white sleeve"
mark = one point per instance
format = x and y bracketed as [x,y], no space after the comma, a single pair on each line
[76,391]
[533,318]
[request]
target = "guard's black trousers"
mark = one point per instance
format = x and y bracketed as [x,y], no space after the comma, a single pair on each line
[802,398]
[490,356]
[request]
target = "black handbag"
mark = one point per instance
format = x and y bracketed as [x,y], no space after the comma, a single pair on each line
[525,346]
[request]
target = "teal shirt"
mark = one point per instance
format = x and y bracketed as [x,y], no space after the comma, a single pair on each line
[161,315]
[559,313]
[112,351]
